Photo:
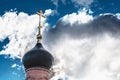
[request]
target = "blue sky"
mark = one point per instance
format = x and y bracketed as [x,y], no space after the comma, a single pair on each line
[16,16]
[30,7]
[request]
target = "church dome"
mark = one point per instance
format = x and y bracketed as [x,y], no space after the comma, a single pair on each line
[38,57]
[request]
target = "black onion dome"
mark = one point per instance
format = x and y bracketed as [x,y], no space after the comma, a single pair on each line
[38,57]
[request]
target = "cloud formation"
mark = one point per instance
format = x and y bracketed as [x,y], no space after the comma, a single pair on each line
[85,3]
[21,30]
[50,12]
[18,30]
[84,47]
[86,50]
[56,2]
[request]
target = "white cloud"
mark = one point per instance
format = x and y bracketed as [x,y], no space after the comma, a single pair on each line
[86,50]
[55,2]
[50,12]
[21,30]
[94,57]
[80,17]
[118,15]
[87,58]
[85,3]
[14,65]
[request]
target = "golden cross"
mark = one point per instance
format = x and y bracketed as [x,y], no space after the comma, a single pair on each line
[40,16]
[39,36]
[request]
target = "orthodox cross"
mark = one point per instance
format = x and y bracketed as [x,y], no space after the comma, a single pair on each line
[39,36]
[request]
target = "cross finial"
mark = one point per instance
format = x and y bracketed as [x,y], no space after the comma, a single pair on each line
[39,36]
[40,16]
